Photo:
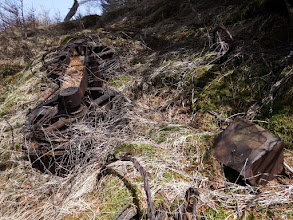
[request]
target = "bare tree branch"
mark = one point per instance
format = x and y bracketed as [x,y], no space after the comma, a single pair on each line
[72,11]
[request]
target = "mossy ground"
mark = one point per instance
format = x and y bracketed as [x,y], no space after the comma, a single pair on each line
[121,81]
[9,70]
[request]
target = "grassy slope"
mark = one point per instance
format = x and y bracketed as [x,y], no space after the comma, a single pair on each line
[167,74]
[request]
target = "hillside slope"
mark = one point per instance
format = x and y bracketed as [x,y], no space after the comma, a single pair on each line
[181,86]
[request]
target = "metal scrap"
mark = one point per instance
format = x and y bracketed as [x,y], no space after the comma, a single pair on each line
[79,69]
[253,152]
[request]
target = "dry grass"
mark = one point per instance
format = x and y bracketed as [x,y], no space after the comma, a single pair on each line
[171,142]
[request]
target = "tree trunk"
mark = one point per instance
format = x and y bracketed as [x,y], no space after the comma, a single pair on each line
[72,11]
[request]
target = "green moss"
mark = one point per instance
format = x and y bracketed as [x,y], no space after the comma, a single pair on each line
[233,89]
[11,100]
[19,78]
[217,214]
[10,79]
[167,176]
[200,75]
[120,81]
[164,133]
[159,200]
[66,39]
[207,139]
[195,78]
[28,65]
[283,103]
[282,125]
[114,196]
[8,73]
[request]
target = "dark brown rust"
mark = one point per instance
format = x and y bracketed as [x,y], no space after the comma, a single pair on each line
[255,153]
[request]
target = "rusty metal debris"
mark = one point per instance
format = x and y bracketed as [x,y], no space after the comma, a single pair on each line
[80,69]
[250,151]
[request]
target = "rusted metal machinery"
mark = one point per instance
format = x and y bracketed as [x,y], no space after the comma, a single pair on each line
[247,150]
[79,68]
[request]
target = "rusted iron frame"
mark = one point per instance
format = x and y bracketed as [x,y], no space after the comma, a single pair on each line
[47,132]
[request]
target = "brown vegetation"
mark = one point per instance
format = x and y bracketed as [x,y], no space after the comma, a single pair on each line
[181,93]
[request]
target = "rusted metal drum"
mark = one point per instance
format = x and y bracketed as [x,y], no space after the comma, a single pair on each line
[253,152]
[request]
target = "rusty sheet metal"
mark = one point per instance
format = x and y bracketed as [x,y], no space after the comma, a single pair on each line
[255,153]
